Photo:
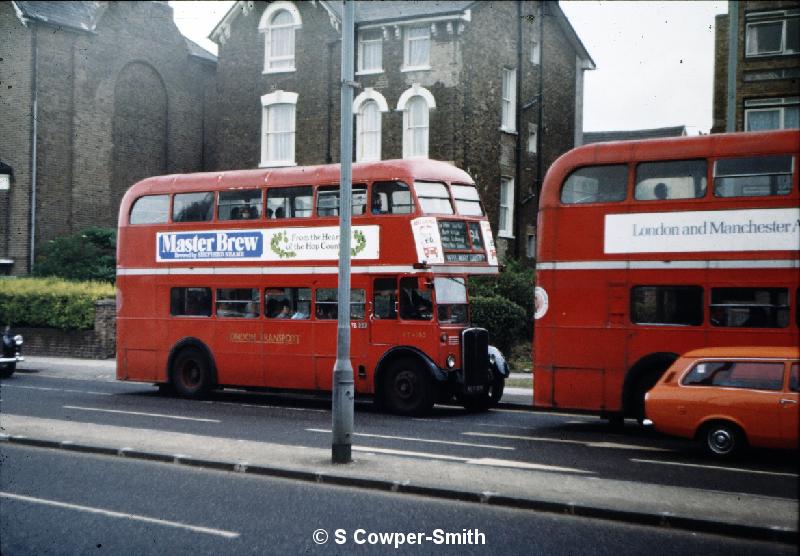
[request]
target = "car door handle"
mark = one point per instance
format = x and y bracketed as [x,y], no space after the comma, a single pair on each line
[787,402]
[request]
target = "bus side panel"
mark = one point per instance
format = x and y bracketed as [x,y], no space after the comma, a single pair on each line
[136,357]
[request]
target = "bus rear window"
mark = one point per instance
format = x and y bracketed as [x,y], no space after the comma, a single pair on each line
[673,179]
[467,200]
[750,307]
[193,207]
[596,184]
[753,176]
[150,209]
[667,305]
[433,197]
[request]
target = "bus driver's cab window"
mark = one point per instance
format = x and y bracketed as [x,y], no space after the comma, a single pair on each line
[384,298]
[416,302]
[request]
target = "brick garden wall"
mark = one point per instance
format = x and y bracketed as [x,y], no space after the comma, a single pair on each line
[99,343]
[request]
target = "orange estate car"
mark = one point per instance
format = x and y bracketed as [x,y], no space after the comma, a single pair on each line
[729,398]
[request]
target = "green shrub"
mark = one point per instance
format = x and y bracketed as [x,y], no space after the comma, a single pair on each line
[87,255]
[504,319]
[50,302]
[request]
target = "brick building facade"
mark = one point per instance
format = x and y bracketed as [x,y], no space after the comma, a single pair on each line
[767,66]
[115,93]
[466,82]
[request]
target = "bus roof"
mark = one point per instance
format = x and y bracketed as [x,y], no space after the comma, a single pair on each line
[299,175]
[671,148]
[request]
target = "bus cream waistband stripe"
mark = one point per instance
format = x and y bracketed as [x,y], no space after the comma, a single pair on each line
[667,265]
[269,270]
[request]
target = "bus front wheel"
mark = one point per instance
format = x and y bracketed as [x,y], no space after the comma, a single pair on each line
[191,373]
[407,388]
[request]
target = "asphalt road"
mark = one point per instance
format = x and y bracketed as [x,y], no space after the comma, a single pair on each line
[579,442]
[56,502]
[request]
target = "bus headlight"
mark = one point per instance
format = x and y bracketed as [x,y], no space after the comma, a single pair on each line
[451,361]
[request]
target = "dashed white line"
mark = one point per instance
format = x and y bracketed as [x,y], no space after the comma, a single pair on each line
[121,515]
[612,445]
[717,467]
[427,440]
[59,390]
[142,414]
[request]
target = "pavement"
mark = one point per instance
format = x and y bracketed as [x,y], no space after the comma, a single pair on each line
[483,480]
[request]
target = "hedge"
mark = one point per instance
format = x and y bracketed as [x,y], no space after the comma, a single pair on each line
[505,320]
[50,302]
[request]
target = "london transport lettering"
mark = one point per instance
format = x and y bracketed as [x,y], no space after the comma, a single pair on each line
[729,230]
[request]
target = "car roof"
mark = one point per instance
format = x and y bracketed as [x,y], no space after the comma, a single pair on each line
[750,352]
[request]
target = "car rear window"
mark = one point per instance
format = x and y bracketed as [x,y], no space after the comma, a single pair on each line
[736,374]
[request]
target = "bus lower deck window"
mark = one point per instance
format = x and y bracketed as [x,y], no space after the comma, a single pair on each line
[675,305]
[190,302]
[749,307]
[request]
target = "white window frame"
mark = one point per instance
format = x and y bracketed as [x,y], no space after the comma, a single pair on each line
[362,42]
[770,18]
[533,138]
[778,105]
[266,29]
[505,217]
[402,106]
[508,121]
[407,48]
[267,102]
[359,103]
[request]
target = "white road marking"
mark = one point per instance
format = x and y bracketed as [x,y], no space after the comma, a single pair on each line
[428,440]
[613,445]
[491,462]
[60,390]
[132,517]
[160,415]
[270,406]
[719,467]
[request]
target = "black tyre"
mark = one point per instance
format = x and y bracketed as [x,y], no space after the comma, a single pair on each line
[722,440]
[191,374]
[407,388]
[7,369]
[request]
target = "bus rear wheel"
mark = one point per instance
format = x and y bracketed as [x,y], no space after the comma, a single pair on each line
[407,388]
[191,373]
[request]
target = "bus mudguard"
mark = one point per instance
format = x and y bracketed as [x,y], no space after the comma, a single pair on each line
[498,362]
[194,343]
[399,351]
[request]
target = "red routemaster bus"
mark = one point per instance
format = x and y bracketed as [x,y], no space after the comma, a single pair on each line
[230,279]
[648,249]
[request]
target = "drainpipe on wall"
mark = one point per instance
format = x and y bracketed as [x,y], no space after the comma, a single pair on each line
[329,119]
[518,123]
[540,123]
[733,53]
[34,131]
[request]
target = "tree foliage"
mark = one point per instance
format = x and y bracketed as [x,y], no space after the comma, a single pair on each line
[87,255]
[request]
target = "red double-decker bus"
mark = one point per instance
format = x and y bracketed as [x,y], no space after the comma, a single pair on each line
[230,279]
[648,249]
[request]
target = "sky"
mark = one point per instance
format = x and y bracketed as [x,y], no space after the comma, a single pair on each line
[655,60]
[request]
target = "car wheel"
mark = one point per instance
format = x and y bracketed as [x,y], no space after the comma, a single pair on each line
[7,369]
[407,388]
[722,440]
[191,374]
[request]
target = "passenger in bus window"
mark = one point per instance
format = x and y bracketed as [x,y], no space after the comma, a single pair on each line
[376,204]
[285,311]
[280,213]
[661,191]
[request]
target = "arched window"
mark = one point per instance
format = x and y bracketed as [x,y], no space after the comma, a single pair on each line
[416,103]
[278,24]
[278,129]
[368,107]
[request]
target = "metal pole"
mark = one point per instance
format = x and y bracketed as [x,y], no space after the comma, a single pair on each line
[343,385]
[733,54]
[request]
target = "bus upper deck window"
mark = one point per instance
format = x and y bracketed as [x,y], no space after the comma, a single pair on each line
[150,209]
[752,176]
[193,207]
[596,184]
[467,200]
[328,200]
[433,197]
[239,204]
[672,179]
[289,202]
[391,197]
